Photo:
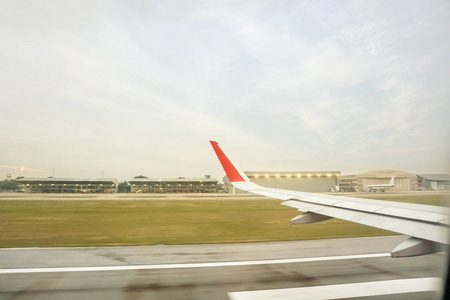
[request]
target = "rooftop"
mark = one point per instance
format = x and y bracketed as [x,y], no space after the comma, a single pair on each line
[52,179]
[386,174]
[436,177]
[179,179]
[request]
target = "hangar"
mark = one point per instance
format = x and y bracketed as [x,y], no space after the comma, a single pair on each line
[325,181]
[68,185]
[306,181]
[174,185]
[404,181]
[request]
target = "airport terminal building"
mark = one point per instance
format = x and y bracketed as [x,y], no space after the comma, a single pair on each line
[174,185]
[305,181]
[68,185]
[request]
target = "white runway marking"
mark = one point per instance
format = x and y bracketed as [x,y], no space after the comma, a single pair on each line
[343,291]
[191,265]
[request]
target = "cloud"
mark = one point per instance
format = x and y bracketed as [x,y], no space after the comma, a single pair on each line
[144,85]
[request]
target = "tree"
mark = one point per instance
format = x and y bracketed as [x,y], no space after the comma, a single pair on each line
[8,186]
[124,187]
[141,176]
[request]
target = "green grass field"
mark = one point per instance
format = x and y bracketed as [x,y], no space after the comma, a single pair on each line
[50,223]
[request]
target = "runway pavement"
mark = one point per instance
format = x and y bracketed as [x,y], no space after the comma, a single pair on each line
[223,271]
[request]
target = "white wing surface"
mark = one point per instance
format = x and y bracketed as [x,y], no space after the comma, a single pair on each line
[427,225]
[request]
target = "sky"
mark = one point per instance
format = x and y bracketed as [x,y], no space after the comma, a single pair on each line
[126,88]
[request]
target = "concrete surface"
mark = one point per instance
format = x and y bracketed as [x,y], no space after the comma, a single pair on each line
[211,282]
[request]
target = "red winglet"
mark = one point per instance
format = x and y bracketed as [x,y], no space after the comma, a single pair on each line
[232,173]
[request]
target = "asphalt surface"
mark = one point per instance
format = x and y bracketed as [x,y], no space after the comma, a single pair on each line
[245,267]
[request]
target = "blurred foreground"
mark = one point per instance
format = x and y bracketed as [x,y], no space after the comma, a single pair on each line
[182,272]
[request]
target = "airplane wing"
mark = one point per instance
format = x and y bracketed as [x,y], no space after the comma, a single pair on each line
[427,225]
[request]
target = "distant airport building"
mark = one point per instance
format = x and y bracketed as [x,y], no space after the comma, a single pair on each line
[306,181]
[403,181]
[434,181]
[348,183]
[326,181]
[67,185]
[174,185]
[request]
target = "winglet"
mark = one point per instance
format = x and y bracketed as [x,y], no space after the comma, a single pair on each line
[231,171]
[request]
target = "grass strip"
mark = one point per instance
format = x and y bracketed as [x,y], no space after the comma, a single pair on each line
[54,223]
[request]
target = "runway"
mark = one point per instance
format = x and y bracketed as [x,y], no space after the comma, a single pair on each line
[222,271]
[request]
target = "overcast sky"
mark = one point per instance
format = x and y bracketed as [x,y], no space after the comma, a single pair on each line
[140,87]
